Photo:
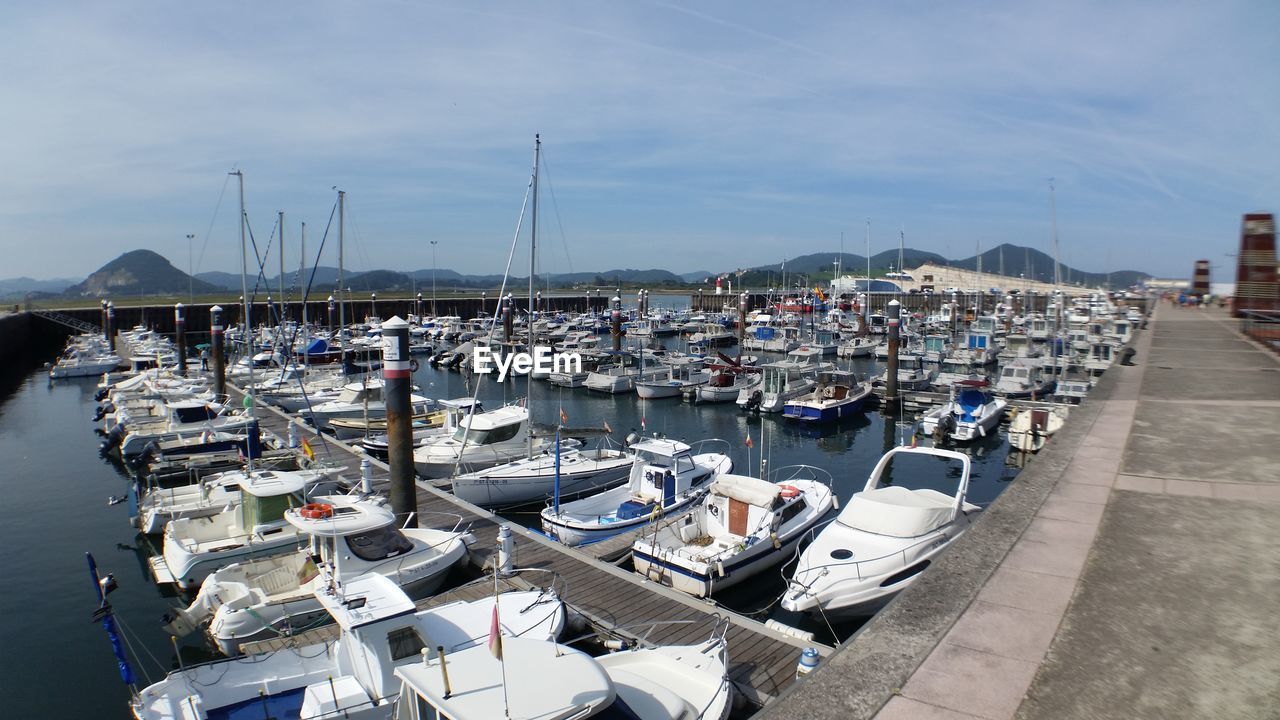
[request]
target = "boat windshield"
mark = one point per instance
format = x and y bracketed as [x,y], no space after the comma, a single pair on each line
[379,543]
[196,414]
[255,510]
[487,437]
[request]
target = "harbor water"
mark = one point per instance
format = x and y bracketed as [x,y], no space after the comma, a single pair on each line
[58,663]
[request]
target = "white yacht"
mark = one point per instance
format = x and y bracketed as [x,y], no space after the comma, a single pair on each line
[359,400]
[678,377]
[885,536]
[785,380]
[481,440]
[214,493]
[566,467]
[666,478]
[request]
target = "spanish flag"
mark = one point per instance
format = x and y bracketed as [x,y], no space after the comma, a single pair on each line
[749,443]
[495,632]
[564,418]
[306,450]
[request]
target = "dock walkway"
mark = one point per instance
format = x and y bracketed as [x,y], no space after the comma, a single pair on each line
[1132,571]
[762,660]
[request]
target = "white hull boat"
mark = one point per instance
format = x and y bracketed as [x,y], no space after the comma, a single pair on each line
[666,479]
[970,414]
[272,596]
[1031,428]
[743,527]
[882,540]
[534,479]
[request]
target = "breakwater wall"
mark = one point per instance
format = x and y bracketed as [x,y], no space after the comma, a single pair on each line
[161,317]
[911,302]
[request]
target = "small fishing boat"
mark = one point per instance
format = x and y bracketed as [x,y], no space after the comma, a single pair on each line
[972,412]
[348,537]
[1030,428]
[194,547]
[215,493]
[726,383]
[744,526]
[858,347]
[1021,379]
[838,394]
[886,535]
[454,411]
[785,380]
[912,374]
[679,376]
[566,464]
[667,478]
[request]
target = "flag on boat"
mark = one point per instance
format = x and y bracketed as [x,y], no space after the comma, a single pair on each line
[607,428]
[495,632]
[306,450]
[749,443]
[564,417]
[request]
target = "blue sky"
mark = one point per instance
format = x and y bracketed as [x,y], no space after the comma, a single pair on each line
[687,136]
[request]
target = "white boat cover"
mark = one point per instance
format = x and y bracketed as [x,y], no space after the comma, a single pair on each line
[898,512]
[752,491]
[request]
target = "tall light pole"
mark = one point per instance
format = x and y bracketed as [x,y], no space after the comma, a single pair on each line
[191,293]
[433,278]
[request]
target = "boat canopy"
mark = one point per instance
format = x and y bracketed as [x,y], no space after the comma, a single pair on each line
[752,491]
[898,512]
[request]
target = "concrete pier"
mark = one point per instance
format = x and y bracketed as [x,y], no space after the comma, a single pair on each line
[1130,572]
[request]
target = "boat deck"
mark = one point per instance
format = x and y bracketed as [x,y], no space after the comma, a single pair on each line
[762,660]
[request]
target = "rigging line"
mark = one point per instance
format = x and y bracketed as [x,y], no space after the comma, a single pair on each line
[559,223]
[209,231]
[502,291]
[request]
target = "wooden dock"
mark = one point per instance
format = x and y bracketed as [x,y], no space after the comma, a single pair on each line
[762,660]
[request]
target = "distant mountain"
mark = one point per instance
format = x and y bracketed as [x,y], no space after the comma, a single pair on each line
[1037,265]
[21,286]
[696,277]
[140,272]
[380,280]
[225,281]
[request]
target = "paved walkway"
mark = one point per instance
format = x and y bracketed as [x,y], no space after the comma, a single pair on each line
[1148,584]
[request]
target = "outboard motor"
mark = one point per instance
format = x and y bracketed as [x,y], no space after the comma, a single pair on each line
[757,397]
[101,394]
[114,438]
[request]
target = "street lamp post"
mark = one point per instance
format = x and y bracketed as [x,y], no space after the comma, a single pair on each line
[433,277]
[191,293]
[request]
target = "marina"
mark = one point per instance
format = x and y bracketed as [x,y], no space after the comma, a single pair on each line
[765,641]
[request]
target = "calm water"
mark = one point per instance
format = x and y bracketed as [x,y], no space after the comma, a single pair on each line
[56,489]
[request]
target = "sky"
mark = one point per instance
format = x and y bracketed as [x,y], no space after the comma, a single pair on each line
[687,136]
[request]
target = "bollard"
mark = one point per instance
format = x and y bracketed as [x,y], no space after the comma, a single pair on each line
[366,476]
[293,436]
[808,662]
[111,325]
[180,329]
[219,359]
[742,322]
[508,323]
[396,374]
[891,379]
[506,551]
[616,329]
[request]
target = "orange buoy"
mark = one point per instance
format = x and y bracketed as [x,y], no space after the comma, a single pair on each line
[789,491]
[316,511]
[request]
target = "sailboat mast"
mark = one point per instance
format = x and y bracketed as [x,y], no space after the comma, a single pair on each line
[866,310]
[244,281]
[302,266]
[533,254]
[342,295]
[1053,212]
[282,303]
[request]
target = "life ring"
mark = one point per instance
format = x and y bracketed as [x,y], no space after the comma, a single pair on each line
[789,491]
[413,364]
[316,511]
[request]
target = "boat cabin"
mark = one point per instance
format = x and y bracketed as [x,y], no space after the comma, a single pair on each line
[663,469]
[265,496]
[491,427]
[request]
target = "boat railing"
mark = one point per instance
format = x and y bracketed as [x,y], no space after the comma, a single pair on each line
[710,445]
[788,473]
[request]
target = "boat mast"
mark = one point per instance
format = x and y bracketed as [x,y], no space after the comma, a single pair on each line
[244,285]
[866,309]
[302,266]
[282,303]
[533,250]
[342,296]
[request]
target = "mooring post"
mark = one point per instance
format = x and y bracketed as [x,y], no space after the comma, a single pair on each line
[891,379]
[508,322]
[111,325]
[331,305]
[180,329]
[616,330]
[219,359]
[106,331]
[742,321]
[396,374]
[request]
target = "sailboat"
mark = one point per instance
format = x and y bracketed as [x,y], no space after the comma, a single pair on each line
[564,467]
